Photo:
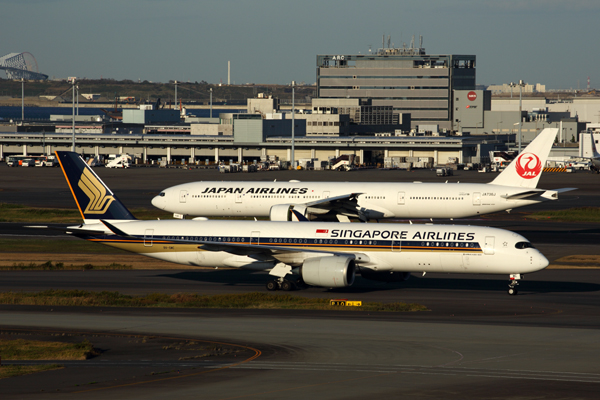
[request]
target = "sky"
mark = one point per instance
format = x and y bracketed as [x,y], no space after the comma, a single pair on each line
[552,42]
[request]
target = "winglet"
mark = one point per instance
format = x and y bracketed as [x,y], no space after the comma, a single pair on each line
[526,169]
[94,199]
[300,217]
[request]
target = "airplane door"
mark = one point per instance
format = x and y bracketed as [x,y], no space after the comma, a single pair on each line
[183,196]
[325,195]
[238,197]
[488,247]
[401,198]
[148,236]
[476,199]
[466,261]
[396,245]
[255,238]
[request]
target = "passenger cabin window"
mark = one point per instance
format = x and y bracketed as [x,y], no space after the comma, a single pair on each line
[524,245]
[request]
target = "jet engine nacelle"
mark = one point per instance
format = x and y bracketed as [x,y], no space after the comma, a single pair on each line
[330,272]
[384,276]
[283,212]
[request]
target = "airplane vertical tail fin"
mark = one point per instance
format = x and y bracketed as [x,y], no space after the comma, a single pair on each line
[526,169]
[595,153]
[94,199]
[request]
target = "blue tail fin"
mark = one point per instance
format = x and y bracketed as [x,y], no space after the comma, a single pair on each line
[94,199]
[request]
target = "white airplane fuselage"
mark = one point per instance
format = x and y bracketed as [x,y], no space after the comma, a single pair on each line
[377,200]
[378,247]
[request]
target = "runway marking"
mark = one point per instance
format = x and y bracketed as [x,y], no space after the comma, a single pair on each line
[257,353]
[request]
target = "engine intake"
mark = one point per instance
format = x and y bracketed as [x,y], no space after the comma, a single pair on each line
[330,272]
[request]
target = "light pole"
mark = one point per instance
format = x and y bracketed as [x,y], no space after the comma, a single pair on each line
[72,80]
[211,102]
[293,121]
[520,85]
[175,93]
[22,99]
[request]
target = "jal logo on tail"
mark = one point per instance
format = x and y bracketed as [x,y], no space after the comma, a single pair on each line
[528,165]
[93,188]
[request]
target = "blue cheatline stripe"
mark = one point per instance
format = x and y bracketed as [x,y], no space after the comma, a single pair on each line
[325,244]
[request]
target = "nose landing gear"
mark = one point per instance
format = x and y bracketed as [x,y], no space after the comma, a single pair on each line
[513,283]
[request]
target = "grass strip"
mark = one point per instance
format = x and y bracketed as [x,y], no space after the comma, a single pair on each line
[21,349]
[578,214]
[50,266]
[254,300]
[22,213]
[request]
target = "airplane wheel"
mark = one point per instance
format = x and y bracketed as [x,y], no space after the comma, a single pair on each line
[287,286]
[272,286]
[512,291]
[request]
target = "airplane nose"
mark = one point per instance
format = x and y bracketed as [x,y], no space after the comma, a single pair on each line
[159,202]
[543,261]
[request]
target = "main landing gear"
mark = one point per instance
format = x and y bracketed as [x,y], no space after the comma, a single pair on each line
[513,283]
[281,284]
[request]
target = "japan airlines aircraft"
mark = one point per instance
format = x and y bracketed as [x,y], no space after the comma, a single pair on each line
[514,187]
[324,254]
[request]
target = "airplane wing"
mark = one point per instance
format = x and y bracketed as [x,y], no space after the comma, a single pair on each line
[345,204]
[280,253]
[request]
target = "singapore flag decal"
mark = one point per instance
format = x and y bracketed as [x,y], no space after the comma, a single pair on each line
[528,165]
[322,232]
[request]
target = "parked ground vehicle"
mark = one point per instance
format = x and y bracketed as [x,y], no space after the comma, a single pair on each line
[15,161]
[119,161]
[46,161]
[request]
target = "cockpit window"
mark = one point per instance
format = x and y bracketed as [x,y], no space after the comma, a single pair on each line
[162,194]
[524,245]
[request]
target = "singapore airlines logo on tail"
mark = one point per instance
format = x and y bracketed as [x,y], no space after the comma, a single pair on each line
[528,165]
[93,188]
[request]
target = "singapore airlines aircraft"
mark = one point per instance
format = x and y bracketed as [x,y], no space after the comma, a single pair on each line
[514,187]
[324,254]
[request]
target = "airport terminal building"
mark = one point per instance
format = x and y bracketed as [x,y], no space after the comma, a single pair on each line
[405,79]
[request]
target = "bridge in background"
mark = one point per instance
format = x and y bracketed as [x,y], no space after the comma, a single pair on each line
[21,66]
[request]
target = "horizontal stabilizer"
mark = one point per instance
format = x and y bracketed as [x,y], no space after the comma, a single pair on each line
[530,194]
[553,194]
[116,230]
[562,190]
[68,229]
[524,195]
